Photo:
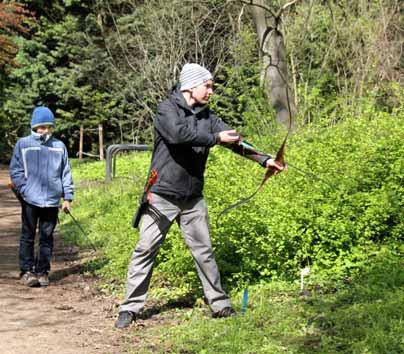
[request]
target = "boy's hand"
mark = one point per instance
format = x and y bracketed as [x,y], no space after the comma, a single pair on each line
[66,206]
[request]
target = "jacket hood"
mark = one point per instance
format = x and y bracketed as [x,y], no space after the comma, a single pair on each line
[40,137]
[176,94]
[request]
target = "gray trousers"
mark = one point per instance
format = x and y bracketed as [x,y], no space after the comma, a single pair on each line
[192,217]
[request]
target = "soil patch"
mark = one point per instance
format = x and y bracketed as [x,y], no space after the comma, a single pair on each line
[69,317]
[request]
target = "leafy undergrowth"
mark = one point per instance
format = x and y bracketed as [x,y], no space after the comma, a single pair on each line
[359,315]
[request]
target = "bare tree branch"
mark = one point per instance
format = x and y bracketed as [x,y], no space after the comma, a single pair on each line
[284,7]
[251,2]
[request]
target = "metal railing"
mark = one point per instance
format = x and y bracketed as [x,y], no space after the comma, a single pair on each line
[112,151]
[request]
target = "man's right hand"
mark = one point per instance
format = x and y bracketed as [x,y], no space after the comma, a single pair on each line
[228,136]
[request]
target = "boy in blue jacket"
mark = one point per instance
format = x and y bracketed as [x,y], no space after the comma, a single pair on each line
[41,176]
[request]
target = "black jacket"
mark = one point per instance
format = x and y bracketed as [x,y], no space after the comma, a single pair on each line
[182,139]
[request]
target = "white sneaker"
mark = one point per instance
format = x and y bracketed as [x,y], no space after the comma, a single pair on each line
[43,279]
[30,279]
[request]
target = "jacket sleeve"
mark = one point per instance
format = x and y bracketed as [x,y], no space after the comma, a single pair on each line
[16,169]
[245,149]
[242,148]
[67,180]
[218,125]
[176,130]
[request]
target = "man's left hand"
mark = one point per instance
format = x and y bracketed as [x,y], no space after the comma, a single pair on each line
[278,167]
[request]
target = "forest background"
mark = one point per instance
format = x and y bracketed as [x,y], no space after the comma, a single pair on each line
[110,61]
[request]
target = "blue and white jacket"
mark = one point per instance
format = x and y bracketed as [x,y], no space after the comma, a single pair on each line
[40,170]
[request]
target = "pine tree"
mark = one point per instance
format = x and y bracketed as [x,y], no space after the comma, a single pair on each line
[13,19]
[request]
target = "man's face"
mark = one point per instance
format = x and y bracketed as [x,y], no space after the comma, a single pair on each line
[44,129]
[202,92]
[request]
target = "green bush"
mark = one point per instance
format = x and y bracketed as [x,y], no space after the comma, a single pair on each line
[363,314]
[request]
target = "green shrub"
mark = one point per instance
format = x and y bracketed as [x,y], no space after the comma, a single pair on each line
[363,314]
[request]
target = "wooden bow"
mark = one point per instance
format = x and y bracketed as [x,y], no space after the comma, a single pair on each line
[270,171]
[274,57]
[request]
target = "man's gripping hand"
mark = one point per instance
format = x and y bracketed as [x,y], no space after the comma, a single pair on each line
[228,136]
[276,166]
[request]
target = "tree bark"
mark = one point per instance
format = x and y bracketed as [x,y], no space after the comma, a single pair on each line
[101,141]
[274,73]
[81,142]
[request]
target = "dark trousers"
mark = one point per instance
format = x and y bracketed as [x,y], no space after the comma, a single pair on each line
[46,219]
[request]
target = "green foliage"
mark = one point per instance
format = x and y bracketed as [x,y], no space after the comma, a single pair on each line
[54,69]
[298,220]
[338,57]
[363,314]
[110,62]
[239,100]
[13,19]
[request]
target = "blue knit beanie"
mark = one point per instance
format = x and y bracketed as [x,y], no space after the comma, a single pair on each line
[42,116]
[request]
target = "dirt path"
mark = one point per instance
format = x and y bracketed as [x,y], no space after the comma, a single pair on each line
[68,317]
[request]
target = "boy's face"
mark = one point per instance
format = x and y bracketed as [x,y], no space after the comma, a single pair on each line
[202,92]
[44,129]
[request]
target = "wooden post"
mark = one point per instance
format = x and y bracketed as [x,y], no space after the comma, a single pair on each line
[101,141]
[81,142]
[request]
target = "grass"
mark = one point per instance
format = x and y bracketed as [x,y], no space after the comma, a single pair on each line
[361,315]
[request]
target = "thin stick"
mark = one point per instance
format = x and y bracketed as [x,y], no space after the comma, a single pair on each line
[82,230]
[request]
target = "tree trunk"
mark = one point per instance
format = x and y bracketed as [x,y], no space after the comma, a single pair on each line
[101,141]
[274,73]
[81,142]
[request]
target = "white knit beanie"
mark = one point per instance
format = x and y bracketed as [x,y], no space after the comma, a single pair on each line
[193,75]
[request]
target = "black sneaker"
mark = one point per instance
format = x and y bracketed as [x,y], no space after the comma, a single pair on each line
[125,318]
[224,312]
[30,279]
